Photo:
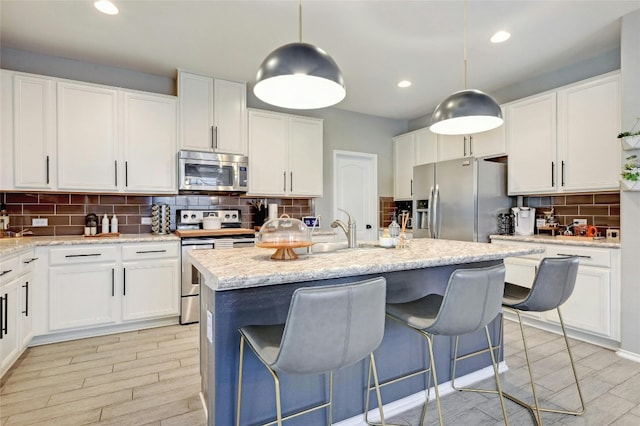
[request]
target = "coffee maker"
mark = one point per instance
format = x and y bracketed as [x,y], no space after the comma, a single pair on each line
[524,219]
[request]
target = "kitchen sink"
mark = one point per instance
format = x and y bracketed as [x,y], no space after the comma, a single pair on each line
[330,247]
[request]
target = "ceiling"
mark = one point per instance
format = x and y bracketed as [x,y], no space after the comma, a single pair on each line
[375,43]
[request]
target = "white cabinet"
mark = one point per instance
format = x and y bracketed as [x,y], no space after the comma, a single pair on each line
[485,144]
[285,155]
[82,287]
[150,143]
[411,149]
[34,149]
[100,285]
[565,140]
[87,137]
[213,114]
[151,281]
[16,306]
[594,306]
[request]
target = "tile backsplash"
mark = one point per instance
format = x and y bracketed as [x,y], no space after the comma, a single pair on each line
[66,212]
[599,209]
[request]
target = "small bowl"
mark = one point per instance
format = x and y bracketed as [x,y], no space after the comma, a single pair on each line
[386,241]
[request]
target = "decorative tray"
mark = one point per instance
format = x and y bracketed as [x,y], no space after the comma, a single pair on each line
[104,235]
[284,250]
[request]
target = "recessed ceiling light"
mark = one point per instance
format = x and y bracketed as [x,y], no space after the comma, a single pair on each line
[404,83]
[105,6]
[500,36]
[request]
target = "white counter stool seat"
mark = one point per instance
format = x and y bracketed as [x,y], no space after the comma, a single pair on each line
[327,328]
[552,286]
[470,302]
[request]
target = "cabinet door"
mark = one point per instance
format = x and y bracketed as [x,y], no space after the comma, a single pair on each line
[195,96]
[588,308]
[150,289]
[491,143]
[531,138]
[34,132]
[451,147]
[87,137]
[6,130]
[149,143]
[588,122]
[426,147]
[230,117]
[305,157]
[82,296]
[403,162]
[268,162]
[10,338]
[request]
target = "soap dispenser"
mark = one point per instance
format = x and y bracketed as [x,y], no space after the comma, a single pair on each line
[114,224]
[394,228]
[105,224]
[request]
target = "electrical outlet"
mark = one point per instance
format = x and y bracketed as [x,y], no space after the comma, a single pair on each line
[40,222]
[145,221]
[579,221]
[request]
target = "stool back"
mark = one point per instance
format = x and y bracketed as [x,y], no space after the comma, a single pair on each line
[552,286]
[332,327]
[473,298]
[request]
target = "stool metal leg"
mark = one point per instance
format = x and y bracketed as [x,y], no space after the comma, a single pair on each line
[496,373]
[240,369]
[373,372]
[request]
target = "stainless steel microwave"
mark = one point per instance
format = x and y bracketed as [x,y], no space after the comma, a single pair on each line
[208,171]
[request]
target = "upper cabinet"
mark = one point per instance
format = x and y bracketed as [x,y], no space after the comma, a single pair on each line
[411,149]
[565,140]
[213,114]
[74,136]
[285,155]
[485,144]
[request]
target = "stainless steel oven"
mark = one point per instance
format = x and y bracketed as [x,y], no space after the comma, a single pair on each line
[191,220]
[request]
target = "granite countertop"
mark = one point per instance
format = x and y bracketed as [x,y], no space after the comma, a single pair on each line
[559,239]
[252,267]
[11,245]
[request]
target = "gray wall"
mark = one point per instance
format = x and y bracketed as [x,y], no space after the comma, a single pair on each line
[599,64]
[630,201]
[343,130]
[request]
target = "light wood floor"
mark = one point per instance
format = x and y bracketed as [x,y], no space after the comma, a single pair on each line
[151,377]
[147,377]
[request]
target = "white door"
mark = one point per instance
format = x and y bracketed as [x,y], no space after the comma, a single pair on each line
[355,180]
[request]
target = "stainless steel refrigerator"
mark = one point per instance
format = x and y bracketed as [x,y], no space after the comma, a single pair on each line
[459,199]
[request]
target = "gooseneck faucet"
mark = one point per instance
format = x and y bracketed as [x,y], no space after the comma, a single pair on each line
[349,230]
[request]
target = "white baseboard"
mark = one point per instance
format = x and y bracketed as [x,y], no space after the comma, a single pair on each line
[417,399]
[632,356]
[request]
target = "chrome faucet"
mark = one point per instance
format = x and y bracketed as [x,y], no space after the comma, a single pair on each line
[349,230]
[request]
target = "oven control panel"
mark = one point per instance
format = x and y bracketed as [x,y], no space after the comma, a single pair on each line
[194,217]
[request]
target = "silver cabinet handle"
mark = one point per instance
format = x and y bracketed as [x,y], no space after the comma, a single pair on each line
[470,145]
[291,181]
[151,251]
[83,255]
[562,173]
[47,169]
[116,171]
[214,138]
[553,172]
[464,146]
[284,180]
[126,173]
[113,282]
[574,255]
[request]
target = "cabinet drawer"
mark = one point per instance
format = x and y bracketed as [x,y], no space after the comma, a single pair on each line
[150,251]
[82,254]
[587,256]
[9,267]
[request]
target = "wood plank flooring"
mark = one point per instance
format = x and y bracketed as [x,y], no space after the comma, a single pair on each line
[151,377]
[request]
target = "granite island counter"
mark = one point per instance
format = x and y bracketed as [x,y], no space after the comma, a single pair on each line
[245,286]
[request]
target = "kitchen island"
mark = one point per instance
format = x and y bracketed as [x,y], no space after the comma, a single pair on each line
[245,286]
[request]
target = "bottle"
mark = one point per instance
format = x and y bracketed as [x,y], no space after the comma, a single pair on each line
[114,224]
[4,218]
[105,224]
[394,228]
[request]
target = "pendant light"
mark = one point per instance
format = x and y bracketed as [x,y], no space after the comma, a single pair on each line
[466,111]
[299,76]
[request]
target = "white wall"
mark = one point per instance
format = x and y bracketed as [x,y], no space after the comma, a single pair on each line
[630,201]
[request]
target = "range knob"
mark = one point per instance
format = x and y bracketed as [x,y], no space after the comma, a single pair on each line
[193,216]
[235,216]
[185,216]
[227,216]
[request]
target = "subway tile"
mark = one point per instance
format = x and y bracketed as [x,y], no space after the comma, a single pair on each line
[19,198]
[43,231]
[77,220]
[614,210]
[113,199]
[69,230]
[128,209]
[70,209]
[138,199]
[14,209]
[85,199]
[100,209]
[130,220]
[579,199]
[129,229]
[565,210]
[558,200]
[54,199]
[144,210]
[609,221]
[607,198]
[164,200]
[592,210]
[59,220]
[37,209]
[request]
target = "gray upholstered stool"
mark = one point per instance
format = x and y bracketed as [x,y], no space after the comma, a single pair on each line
[327,328]
[470,302]
[552,286]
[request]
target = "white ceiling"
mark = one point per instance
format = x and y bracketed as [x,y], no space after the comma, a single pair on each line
[375,43]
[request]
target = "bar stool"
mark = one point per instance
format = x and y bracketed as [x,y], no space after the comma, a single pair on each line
[470,302]
[327,328]
[552,286]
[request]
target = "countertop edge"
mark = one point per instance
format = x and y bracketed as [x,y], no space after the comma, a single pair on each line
[547,239]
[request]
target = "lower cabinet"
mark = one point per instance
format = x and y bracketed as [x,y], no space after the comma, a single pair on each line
[99,285]
[594,306]
[16,306]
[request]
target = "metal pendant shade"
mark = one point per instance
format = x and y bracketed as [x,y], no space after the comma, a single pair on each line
[465,112]
[299,76]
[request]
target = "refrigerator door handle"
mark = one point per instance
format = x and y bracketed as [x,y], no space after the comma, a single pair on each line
[436,214]
[429,224]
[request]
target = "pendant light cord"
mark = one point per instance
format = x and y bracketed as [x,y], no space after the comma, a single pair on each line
[300,21]
[465,44]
